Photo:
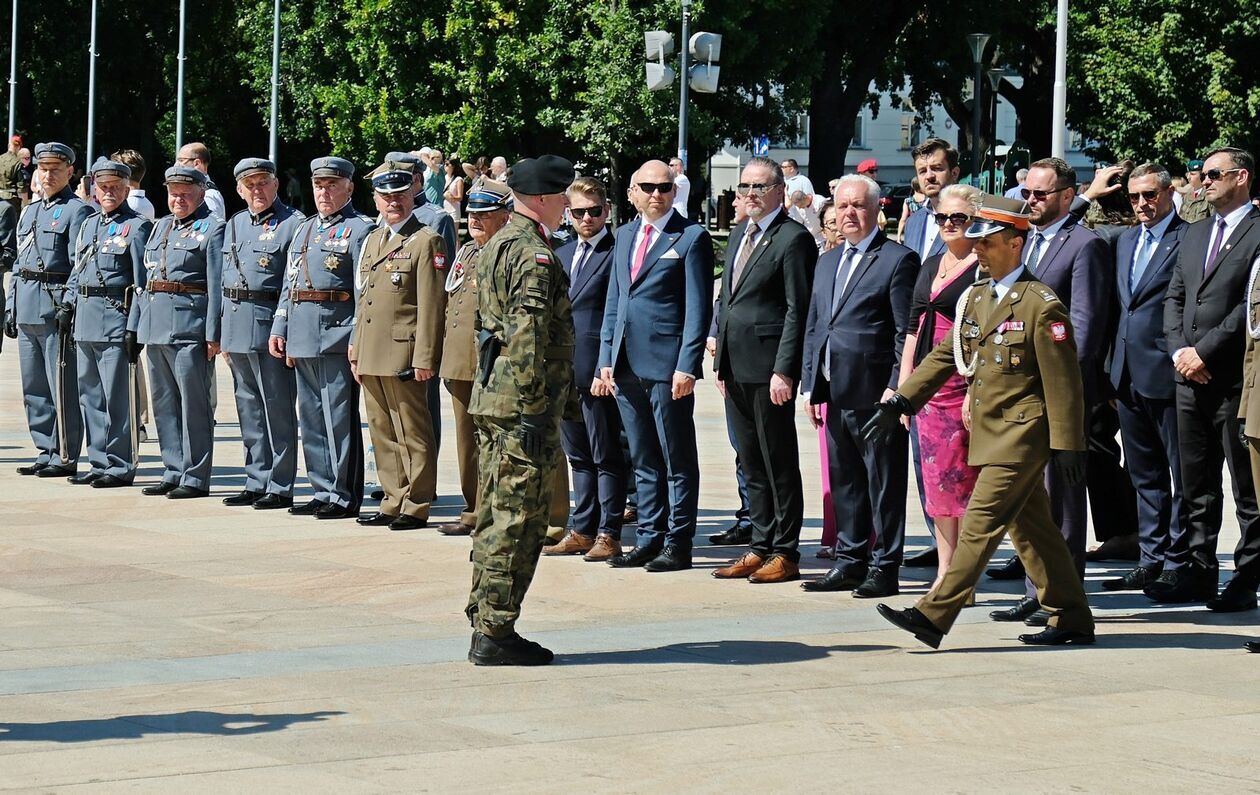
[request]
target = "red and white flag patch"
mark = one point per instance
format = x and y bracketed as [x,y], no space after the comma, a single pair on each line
[1058,331]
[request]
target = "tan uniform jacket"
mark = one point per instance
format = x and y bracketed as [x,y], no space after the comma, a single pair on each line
[459,351]
[402,300]
[1249,405]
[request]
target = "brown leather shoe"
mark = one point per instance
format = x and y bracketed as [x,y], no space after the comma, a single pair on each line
[777,569]
[630,516]
[572,544]
[606,547]
[746,565]
[455,529]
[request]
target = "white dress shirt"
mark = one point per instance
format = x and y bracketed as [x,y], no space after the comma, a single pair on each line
[1003,286]
[1232,221]
[682,192]
[762,225]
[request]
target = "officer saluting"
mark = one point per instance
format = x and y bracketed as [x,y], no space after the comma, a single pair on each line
[1013,340]
[179,321]
[41,315]
[255,250]
[108,272]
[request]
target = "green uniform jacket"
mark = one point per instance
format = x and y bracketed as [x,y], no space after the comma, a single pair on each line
[1026,396]
[1249,405]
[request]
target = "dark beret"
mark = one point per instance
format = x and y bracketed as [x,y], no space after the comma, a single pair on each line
[538,176]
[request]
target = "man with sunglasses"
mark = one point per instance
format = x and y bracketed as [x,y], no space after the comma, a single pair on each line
[1205,319]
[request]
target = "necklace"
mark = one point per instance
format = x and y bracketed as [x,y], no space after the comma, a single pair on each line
[944,272]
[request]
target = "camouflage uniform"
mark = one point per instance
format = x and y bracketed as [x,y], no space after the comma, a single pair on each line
[1195,208]
[524,315]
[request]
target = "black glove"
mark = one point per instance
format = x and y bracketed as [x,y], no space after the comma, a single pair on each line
[887,419]
[10,326]
[1242,434]
[65,318]
[131,344]
[533,433]
[1070,464]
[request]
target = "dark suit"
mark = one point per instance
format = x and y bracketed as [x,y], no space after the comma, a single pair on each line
[761,330]
[656,325]
[1142,375]
[1207,312]
[593,444]
[862,329]
[916,228]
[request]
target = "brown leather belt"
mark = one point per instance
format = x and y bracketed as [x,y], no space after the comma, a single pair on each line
[160,286]
[326,296]
[241,294]
[47,277]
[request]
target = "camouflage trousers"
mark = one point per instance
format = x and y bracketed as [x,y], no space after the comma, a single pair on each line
[513,504]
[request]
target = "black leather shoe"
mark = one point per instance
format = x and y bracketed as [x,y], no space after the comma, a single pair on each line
[334,511]
[1013,569]
[839,578]
[1134,579]
[1053,636]
[1181,586]
[187,493]
[110,482]
[639,556]
[376,519]
[31,469]
[246,497]
[406,522]
[927,559]
[455,529]
[1252,646]
[1041,618]
[159,489]
[914,622]
[377,495]
[55,472]
[1023,609]
[1238,595]
[510,650]
[671,559]
[307,508]
[86,479]
[877,583]
[732,536]
[270,502]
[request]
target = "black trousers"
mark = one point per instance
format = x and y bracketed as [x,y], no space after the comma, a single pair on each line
[868,488]
[765,437]
[593,446]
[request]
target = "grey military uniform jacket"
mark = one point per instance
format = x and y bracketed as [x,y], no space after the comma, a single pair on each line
[109,266]
[255,251]
[189,252]
[46,234]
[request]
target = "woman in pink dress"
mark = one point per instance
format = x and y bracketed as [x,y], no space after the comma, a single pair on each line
[943,440]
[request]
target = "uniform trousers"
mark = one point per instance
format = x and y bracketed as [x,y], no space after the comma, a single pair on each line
[181,410]
[265,395]
[465,448]
[332,438]
[402,434]
[1011,498]
[766,438]
[104,393]
[39,353]
[1148,431]
[593,447]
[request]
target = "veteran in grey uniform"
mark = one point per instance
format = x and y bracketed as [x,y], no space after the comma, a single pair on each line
[8,255]
[108,271]
[312,330]
[179,320]
[40,315]
[255,251]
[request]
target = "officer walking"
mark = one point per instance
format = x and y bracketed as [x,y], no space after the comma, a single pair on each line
[1013,340]
[524,388]
[312,331]
[179,320]
[40,315]
[255,250]
[108,273]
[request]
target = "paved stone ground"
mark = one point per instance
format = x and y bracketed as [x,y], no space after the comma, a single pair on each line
[151,645]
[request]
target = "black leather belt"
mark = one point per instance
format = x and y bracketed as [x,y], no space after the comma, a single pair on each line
[241,294]
[47,277]
[103,292]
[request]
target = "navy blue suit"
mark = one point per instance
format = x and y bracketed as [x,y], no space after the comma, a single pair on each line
[592,444]
[656,325]
[916,228]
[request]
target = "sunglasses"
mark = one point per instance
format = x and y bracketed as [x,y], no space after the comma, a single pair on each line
[754,188]
[655,187]
[1039,195]
[1217,173]
[957,219]
[581,212]
[1149,195]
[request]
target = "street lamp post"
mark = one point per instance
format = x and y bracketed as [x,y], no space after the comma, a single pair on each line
[179,79]
[1058,129]
[91,119]
[995,82]
[13,74]
[683,83]
[275,81]
[977,42]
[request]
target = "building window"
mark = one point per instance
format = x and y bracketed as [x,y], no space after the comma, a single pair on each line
[911,130]
[797,136]
[859,132]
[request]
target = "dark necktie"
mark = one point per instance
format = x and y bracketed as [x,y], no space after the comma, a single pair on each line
[1217,239]
[745,253]
[1034,256]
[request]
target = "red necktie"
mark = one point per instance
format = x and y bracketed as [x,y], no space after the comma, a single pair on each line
[641,254]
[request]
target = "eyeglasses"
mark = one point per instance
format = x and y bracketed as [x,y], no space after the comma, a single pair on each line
[957,219]
[581,212]
[754,188]
[1217,173]
[1039,195]
[655,187]
[1149,195]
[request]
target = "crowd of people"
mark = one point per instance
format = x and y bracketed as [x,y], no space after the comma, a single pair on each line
[998,349]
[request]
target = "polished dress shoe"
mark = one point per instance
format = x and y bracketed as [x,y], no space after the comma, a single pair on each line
[1181,586]
[1023,609]
[671,559]
[573,543]
[110,482]
[376,519]
[1134,579]
[639,556]
[246,497]
[406,522]
[1013,569]
[31,469]
[735,535]
[377,495]
[307,508]
[186,493]
[629,516]
[1041,618]
[334,511]
[745,565]
[271,502]
[927,559]
[914,622]
[159,489]
[877,583]
[86,479]
[1238,595]
[1252,646]
[837,579]
[606,547]
[776,569]
[1053,636]
[455,529]
[55,472]
[509,650]
[1118,548]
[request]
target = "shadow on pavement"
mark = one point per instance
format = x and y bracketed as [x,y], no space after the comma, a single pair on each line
[718,652]
[126,727]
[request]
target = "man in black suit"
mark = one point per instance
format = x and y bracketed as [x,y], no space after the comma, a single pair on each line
[592,444]
[1142,374]
[858,314]
[761,315]
[1204,321]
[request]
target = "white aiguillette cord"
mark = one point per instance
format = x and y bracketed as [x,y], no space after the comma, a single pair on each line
[1252,330]
[965,369]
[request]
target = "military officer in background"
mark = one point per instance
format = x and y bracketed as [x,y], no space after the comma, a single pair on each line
[1013,339]
[524,389]
[489,208]
[40,315]
[180,316]
[312,331]
[8,255]
[397,347]
[109,271]
[255,250]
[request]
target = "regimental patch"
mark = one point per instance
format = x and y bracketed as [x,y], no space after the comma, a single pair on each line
[1058,331]
[439,261]
[542,259]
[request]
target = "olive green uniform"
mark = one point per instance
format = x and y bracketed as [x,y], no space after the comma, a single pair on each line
[1249,404]
[526,351]
[1026,399]
[459,368]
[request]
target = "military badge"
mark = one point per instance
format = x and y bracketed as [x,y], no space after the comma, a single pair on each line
[1058,331]
[264,261]
[331,262]
[396,278]
[439,261]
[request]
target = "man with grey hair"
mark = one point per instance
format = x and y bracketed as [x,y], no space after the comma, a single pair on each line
[1016,190]
[498,168]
